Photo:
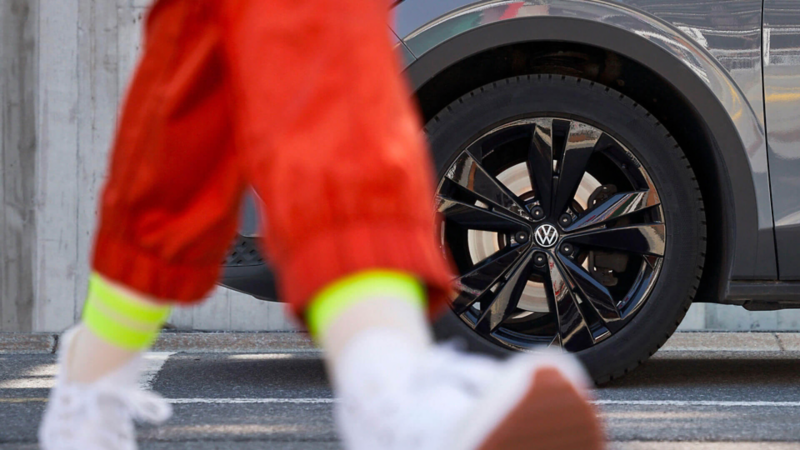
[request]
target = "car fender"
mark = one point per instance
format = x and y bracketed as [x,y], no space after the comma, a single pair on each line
[741,144]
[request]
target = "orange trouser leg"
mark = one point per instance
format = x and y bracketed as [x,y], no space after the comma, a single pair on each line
[168,212]
[311,94]
[332,142]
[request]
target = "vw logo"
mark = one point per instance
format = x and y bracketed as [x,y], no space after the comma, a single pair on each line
[546,235]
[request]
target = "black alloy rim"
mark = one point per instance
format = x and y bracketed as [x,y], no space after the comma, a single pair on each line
[596,258]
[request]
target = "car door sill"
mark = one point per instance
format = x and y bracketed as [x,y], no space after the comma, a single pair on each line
[760,295]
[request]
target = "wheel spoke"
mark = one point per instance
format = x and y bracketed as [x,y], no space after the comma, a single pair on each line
[580,145]
[616,206]
[559,154]
[590,289]
[651,261]
[573,331]
[470,175]
[507,297]
[473,285]
[476,218]
[540,162]
[639,288]
[647,239]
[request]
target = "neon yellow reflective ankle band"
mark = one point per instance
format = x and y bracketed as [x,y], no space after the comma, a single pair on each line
[337,297]
[119,319]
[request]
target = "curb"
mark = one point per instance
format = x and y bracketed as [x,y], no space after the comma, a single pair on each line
[232,342]
[27,343]
[710,341]
[169,341]
[297,342]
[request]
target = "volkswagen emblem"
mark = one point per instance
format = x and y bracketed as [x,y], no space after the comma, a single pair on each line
[546,235]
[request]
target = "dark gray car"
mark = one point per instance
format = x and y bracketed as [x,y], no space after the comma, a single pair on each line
[601,165]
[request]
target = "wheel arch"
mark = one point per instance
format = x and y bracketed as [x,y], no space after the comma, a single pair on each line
[717,146]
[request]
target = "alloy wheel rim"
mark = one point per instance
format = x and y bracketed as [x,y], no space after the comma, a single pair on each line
[597,259]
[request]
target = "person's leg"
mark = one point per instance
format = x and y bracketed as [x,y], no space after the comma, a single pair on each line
[391,301]
[334,149]
[167,216]
[335,152]
[117,325]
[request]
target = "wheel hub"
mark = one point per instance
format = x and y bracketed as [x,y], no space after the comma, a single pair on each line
[546,235]
[483,244]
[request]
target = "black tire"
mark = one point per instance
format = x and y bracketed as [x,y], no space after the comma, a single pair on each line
[527,96]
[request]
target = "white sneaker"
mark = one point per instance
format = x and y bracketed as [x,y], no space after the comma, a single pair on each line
[98,415]
[449,400]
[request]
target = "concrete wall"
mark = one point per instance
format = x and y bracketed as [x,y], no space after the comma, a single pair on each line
[735,318]
[17,153]
[60,93]
[65,65]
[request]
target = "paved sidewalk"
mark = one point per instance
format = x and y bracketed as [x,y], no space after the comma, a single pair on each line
[240,342]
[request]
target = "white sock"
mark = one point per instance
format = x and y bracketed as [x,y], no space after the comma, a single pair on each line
[379,333]
[118,324]
[90,358]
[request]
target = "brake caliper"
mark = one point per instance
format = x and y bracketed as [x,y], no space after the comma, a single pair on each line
[603,265]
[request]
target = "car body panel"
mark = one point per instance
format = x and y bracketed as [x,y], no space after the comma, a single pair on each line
[713,51]
[405,55]
[249,221]
[715,42]
[782,94]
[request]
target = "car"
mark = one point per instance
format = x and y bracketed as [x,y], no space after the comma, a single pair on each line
[600,166]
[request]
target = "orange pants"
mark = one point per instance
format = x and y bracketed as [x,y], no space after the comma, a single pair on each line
[304,101]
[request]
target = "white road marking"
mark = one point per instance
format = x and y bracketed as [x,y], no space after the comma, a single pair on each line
[153,362]
[596,402]
[696,403]
[271,356]
[319,400]
[183,401]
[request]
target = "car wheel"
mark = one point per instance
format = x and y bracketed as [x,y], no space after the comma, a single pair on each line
[573,218]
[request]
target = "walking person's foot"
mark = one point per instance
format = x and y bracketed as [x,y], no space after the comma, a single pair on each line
[448,400]
[99,415]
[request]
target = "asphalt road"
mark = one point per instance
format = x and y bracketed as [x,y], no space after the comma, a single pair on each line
[680,400]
